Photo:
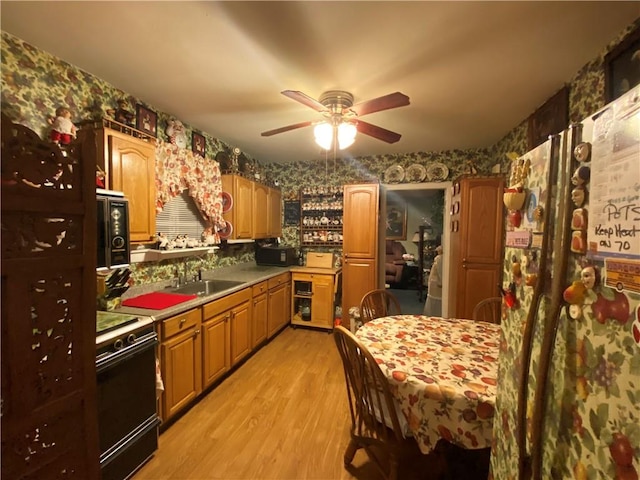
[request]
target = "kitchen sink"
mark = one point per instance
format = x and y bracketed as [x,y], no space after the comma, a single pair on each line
[203,288]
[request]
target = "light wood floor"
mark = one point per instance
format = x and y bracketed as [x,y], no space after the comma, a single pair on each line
[282,415]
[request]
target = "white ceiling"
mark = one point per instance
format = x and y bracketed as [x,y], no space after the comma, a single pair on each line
[473,70]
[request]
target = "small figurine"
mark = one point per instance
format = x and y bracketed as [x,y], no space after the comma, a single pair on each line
[190,242]
[208,238]
[179,241]
[62,128]
[163,241]
[121,114]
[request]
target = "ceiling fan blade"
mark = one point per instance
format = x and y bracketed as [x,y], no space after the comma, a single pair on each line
[377,132]
[393,100]
[287,128]
[304,99]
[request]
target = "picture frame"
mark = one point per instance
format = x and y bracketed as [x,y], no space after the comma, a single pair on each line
[549,119]
[396,224]
[621,72]
[198,144]
[146,120]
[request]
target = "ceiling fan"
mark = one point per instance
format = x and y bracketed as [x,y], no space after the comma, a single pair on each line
[338,109]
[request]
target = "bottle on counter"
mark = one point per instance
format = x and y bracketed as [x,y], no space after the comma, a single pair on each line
[301,258]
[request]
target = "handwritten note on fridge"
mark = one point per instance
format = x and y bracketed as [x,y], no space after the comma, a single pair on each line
[614,189]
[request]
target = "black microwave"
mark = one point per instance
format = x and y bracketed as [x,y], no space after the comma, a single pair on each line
[113,229]
[277,256]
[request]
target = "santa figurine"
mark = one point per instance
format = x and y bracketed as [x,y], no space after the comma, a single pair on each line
[62,128]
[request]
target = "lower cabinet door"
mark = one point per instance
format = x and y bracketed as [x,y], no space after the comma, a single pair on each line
[278,309]
[182,368]
[216,357]
[259,315]
[240,332]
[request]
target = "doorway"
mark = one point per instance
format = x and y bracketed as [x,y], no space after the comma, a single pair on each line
[419,191]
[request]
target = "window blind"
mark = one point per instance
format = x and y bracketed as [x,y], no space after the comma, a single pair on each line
[179,216]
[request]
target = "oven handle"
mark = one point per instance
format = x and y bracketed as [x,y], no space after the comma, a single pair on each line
[111,359]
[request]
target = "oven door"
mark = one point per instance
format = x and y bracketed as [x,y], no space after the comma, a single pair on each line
[127,418]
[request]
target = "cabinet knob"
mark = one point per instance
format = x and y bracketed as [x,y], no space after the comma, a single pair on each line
[182,321]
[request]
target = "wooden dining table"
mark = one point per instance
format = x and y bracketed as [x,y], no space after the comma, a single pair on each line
[443,374]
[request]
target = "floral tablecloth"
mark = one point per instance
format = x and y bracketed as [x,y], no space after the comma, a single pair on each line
[443,373]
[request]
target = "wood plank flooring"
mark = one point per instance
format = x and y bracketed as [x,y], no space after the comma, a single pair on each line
[282,415]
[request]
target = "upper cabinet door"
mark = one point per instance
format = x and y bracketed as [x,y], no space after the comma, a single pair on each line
[275,213]
[260,218]
[360,229]
[133,171]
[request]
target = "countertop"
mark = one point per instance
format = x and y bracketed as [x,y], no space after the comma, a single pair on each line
[250,273]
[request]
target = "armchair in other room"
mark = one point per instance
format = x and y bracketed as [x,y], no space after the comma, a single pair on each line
[394,262]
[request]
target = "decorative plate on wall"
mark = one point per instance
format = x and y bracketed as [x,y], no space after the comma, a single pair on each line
[227,202]
[416,173]
[226,231]
[437,172]
[393,174]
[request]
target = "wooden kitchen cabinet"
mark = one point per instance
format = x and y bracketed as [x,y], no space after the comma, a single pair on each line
[216,358]
[240,214]
[476,242]
[360,243]
[274,212]
[314,292]
[278,303]
[181,361]
[235,309]
[130,166]
[259,313]
[260,221]
[256,209]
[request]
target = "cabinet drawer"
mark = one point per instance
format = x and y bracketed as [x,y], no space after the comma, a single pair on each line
[278,280]
[225,303]
[260,288]
[180,323]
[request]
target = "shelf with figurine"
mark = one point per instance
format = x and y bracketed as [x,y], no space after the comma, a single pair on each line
[321,219]
[180,246]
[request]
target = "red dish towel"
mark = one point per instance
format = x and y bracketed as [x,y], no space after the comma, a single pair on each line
[157,300]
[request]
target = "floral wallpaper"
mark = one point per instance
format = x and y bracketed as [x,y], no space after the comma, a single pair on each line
[593,414]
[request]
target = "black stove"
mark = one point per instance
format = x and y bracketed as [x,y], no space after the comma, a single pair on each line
[126,376]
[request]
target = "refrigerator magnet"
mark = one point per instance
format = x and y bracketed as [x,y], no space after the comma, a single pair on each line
[582,152]
[581,175]
[579,241]
[579,219]
[575,311]
[577,196]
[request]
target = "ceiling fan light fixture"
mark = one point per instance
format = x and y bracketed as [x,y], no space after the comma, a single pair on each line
[346,135]
[323,133]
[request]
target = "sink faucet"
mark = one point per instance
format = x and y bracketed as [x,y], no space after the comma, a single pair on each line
[183,278]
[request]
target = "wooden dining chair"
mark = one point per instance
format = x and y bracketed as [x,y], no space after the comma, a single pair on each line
[488,310]
[378,303]
[376,426]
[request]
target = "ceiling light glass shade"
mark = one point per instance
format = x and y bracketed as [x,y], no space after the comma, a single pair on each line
[346,135]
[323,133]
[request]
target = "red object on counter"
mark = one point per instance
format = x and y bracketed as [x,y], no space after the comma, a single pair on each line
[157,300]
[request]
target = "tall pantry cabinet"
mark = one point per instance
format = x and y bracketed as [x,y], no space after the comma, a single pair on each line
[476,242]
[360,243]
